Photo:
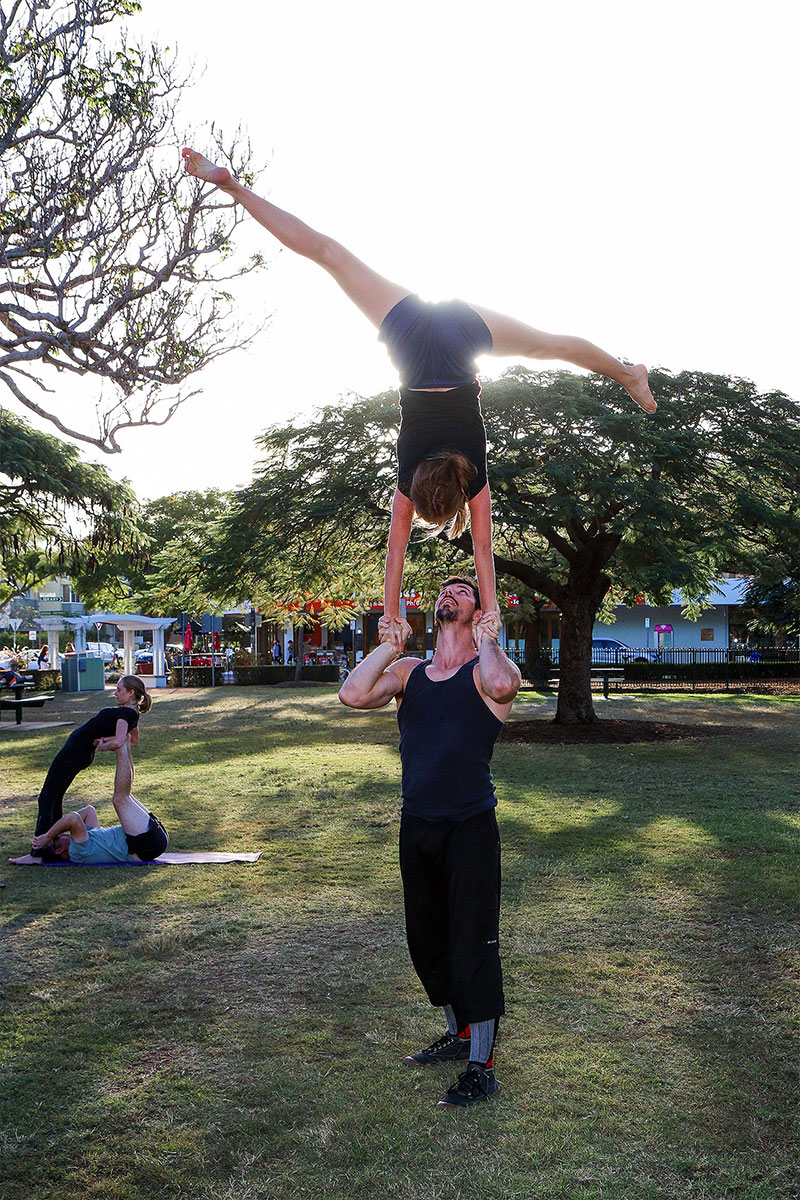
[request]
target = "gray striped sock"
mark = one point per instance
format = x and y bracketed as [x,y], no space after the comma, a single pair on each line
[450,1017]
[482,1044]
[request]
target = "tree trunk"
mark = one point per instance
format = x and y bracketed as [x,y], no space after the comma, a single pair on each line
[299,650]
[575,705]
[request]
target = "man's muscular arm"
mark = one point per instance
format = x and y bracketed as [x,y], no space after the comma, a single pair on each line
[500,677]
[375,681]
[71,823]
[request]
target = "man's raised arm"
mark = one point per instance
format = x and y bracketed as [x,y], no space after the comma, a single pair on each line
[71,823]
[500,677]
[374,682]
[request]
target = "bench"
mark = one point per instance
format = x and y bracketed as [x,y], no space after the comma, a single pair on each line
[603,673]
[19,701]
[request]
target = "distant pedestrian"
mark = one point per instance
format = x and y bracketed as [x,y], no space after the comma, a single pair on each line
[9,675]
[276,652]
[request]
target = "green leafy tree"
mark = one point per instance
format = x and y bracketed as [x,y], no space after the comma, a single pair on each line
[773,593]
[589,497]
[166,576]
[180,530]
[601,499]
[58,515]
[113,265]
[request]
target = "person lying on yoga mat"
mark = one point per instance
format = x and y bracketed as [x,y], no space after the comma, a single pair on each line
[441,449]
[79,838]
[107,730]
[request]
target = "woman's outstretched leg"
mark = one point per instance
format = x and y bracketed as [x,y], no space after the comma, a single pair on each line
[368,290]
[511,338]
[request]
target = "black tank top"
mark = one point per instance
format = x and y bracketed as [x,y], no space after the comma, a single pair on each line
[101,725]
[433,423]
[447,735]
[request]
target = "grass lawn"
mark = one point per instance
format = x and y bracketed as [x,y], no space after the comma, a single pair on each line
[235,1031]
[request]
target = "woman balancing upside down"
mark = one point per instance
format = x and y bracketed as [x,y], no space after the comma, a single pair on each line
[441,449]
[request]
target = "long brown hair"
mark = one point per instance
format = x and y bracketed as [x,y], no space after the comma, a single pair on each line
[440,492]
[134,684]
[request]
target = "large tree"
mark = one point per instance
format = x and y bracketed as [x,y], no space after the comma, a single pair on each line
[162,578]
[58,515]
[773,591]
[112,263]
[589,496]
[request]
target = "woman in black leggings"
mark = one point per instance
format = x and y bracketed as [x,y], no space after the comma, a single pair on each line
[107,730]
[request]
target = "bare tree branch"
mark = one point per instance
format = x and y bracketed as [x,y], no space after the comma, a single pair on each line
[112,263]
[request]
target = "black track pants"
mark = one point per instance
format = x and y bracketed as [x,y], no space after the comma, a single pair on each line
[451,888]
[63,769]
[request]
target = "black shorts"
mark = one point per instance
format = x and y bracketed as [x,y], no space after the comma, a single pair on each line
[434,345]
[151,843]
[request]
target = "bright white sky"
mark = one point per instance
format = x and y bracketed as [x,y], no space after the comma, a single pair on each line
[623,171]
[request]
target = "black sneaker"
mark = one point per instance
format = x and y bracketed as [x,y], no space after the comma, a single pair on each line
[475,1084]
[450,1048]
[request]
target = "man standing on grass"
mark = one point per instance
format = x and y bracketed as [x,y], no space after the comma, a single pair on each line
[450,712]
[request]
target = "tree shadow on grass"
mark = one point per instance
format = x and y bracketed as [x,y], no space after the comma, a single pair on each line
[649,934]
[203,1033]
[661,927]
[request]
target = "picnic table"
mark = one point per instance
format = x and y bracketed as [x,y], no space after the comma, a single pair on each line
[12,698]
[600,672]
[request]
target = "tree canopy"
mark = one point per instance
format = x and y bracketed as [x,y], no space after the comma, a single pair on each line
[589,495]
[57,513]
[113,265]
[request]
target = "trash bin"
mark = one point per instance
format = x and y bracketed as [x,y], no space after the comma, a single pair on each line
[82,673]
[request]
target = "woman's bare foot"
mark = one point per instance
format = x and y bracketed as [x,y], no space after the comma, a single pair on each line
[26,860]
[198,165]
[639,389]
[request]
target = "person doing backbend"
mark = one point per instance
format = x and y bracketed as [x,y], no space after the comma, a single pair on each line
[107,730]
[80,839]
[441,449]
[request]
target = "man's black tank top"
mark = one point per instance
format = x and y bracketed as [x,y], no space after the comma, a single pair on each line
[447,735]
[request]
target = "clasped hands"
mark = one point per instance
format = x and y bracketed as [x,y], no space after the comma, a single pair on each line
[489,626]
[395,630]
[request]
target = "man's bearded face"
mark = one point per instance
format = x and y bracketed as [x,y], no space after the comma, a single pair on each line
[446,610]
[455,603]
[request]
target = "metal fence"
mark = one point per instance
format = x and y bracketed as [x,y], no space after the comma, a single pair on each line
[768,669]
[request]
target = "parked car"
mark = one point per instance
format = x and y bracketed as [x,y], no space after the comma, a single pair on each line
[143,661]
[611,650]
[109,654]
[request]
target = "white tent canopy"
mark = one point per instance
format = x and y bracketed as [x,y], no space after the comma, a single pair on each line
[130,624]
